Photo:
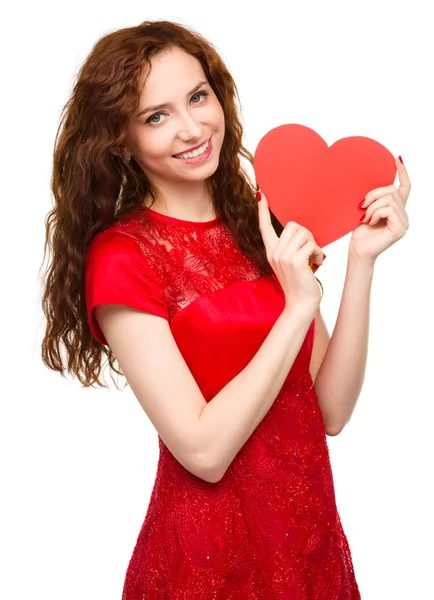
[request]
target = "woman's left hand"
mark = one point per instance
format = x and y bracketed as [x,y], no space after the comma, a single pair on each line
[389,222]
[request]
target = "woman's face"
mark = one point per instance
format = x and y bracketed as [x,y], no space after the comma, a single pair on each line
[192,117]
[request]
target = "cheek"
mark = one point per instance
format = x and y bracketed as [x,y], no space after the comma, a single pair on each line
[221,124]
[218,110]
[156,144]
[221,119]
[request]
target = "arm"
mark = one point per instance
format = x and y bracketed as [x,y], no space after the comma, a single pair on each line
[341,374]
[230,418]
[203,437]
[340,377]
[320,345]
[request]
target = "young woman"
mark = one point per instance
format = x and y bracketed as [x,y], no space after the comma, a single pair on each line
[164,262]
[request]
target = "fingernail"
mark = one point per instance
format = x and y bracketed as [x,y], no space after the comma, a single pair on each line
[362,218]
[400,158]
[324,256]
[258,195]
[362,202]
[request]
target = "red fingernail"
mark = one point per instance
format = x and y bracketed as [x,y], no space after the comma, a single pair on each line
[323,256]
[362,202]
[258,195]
[362,218]
[400,158]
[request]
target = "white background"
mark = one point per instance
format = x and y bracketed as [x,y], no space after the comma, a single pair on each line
[78,465]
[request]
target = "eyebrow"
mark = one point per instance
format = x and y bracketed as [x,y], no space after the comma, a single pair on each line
[166,104]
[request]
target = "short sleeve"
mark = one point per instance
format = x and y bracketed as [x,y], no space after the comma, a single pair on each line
[116,272]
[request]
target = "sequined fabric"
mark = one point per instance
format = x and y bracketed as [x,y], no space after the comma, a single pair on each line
[270,528]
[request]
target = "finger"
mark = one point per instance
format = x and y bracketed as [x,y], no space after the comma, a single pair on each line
[293,238]
[394,221]
[317,257]
[376,194]
[404,181]
[310,250]
[314,254]
[387,200]
[266,227]
[290,230]
[316,265]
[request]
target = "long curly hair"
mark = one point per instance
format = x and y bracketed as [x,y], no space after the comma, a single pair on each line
[93,186]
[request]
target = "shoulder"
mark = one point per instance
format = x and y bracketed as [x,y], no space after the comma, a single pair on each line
[117,272]
[115,256]
[112,242]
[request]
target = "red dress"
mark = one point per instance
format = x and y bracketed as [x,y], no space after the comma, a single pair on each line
[269,529]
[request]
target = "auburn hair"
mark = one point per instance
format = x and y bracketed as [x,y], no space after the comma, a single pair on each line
[93,186]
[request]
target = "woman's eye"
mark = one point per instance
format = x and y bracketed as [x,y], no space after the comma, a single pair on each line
[153,117]
[150,121]
[200,94]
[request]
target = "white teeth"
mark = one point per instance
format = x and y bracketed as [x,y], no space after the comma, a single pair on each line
[196,152]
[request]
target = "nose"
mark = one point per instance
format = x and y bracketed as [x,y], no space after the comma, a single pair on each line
[190,128]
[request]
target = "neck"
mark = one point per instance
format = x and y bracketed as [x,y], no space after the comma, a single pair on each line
[189,202]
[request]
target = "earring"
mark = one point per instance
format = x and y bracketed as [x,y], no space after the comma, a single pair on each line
[126,160]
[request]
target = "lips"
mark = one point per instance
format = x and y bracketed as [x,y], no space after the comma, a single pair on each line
[191,149]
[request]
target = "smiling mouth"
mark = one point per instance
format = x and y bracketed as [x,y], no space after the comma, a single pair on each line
[204,146]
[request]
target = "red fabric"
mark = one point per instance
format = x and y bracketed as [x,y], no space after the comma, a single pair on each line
[116,273]
[270,529]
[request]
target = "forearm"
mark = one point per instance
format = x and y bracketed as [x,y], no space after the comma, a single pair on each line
[230,418]
[340,378]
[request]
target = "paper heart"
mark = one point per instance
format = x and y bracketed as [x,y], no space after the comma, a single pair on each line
[318,186]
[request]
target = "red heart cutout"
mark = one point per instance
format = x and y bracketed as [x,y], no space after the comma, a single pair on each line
[318,186]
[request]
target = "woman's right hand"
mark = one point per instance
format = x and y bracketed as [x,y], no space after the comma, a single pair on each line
[290,256]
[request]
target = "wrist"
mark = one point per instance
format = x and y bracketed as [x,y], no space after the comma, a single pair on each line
[304,310]
[360,270]
[368,262]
